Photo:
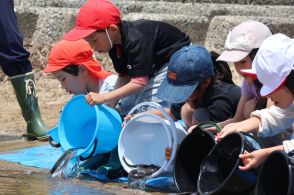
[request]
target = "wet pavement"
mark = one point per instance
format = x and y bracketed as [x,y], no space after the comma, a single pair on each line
[18,179]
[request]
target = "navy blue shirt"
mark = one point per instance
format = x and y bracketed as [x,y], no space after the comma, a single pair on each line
[146,46]
[221,102]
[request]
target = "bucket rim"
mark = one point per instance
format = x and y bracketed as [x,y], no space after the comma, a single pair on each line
[122,134]
[221,186]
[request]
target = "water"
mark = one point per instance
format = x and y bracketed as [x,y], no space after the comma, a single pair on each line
[67,166]
[137,180]
[137,177]
[23,180]
[16,182]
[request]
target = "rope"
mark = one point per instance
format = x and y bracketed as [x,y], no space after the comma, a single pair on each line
[30,86]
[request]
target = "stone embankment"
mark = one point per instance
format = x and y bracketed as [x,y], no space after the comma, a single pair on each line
[43,22]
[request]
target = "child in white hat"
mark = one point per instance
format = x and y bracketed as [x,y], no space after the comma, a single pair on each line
[241,46]
[273,66]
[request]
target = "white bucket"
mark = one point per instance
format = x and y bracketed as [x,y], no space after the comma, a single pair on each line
[145,137]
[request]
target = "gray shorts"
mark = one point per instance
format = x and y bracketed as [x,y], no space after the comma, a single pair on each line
[148,94]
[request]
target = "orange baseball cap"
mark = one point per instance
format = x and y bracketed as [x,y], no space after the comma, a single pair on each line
[93,15]
[66,53]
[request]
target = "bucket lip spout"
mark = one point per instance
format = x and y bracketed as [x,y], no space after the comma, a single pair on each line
[228,138]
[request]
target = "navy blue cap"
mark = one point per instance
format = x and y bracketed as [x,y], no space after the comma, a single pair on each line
[187,67]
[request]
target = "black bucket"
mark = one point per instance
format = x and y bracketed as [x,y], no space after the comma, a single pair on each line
[276,175]
[220,173]
[190,154]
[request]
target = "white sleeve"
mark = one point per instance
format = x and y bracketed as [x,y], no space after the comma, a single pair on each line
[107,84]
[274,120]
[288,145]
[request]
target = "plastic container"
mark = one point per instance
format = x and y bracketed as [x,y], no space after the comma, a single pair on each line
[145,137]
[276,175]
[220,173]
[90,129]
[191,152]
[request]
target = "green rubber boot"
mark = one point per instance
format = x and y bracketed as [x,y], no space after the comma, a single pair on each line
[24,88]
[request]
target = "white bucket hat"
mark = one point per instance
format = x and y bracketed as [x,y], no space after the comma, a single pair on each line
[273,63]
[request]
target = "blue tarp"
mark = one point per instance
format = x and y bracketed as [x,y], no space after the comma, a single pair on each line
[45,157]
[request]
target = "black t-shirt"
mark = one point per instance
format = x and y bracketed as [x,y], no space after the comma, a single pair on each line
[146,46]
[221,102]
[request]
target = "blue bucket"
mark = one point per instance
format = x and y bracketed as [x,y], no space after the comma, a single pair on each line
[54,138]
[91,129]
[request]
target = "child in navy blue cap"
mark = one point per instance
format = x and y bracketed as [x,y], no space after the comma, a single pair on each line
[199,89]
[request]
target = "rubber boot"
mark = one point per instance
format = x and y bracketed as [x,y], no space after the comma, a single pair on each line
[113,168]
[24,88]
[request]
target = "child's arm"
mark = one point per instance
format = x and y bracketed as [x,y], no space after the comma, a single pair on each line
[255,158]
[115,95]
[274,120]
[186,114]
[246,126]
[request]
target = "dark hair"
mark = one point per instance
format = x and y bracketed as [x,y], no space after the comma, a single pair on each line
[222,73]
[290,82]
[253,53]
[221,69]
[260,102]
[72,69]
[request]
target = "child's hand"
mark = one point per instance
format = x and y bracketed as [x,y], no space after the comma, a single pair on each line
[128,117]
[253,159]
[168,152]
[95,98]
[228,129]
[191,128]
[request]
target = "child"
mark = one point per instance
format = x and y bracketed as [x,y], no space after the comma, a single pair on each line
[192,86]
[139,50]
[273,66]
[72,63]
[241,46]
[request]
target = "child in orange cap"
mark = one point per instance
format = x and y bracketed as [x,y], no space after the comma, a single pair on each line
[139,50]
[72,63]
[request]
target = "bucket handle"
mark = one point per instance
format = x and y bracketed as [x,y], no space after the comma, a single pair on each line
[170,120]
[207,124]
[92,153]
[51,142]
